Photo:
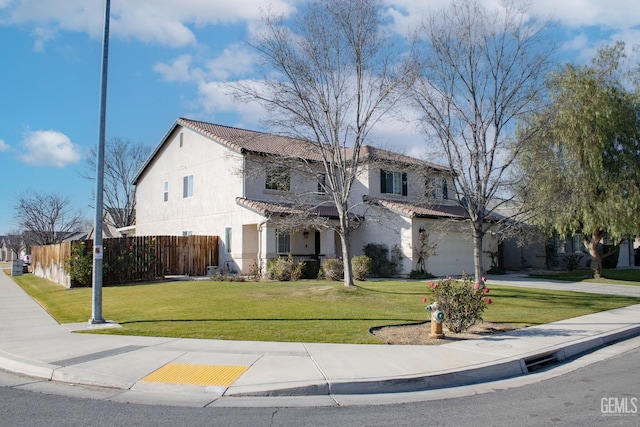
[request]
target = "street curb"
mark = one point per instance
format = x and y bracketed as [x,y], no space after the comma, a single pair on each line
[491,371]
[22,366]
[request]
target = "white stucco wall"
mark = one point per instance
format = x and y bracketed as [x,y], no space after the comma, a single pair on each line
[217,181]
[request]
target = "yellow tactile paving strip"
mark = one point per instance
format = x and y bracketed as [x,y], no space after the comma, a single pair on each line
[203,375]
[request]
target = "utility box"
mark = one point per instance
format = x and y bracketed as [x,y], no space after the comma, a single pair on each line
[212,270]
[17,267]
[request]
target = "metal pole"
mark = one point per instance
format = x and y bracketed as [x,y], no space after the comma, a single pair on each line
[96,312]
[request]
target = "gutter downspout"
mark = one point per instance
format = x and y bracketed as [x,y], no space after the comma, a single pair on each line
[259,254]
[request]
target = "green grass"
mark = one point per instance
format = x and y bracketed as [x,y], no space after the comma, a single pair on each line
[303,311]
[612,276]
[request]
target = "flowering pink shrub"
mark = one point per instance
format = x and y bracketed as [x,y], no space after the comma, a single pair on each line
[462,301]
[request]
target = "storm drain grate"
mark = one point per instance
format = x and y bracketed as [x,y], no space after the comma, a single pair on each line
[201,375]
[539,362]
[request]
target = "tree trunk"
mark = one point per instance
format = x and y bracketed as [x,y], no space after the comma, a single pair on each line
[596,255]
[478,259]
[346,252]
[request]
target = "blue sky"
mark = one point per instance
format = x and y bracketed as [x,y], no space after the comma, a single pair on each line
[171,58]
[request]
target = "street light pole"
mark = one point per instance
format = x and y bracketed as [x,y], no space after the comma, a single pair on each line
[96,312]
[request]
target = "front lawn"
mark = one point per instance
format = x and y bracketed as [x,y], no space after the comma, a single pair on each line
[612,276]
[303,311]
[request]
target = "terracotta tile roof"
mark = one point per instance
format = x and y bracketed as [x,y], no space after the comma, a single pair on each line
[277,208]
[414,210]
[248,141]
[251,141]
[374,153]
[264,143]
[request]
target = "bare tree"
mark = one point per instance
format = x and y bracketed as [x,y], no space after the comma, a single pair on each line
[15,242]
[123,159]
[46,218]
[328,78]
[480,70]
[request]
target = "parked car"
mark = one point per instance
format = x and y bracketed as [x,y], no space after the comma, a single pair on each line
[27,259]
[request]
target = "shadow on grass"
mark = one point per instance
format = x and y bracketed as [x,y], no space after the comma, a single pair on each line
[391,292]
[308,319]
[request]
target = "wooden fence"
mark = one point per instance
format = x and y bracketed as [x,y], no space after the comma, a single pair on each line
[132,259]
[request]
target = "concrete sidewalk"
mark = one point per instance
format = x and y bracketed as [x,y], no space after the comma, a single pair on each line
[207,372]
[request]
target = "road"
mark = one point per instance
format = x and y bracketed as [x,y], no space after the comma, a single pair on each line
[597,389]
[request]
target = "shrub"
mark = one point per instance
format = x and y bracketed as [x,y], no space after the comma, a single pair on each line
[361,266]
[462,301]
[254,271]
[379,255]
[396,261]
[573,261]
[227,276]
[284,269]
[79,265]
[311,269]
[420,274]
[332,269]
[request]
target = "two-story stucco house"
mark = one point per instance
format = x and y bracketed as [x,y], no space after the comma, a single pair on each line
[210,179]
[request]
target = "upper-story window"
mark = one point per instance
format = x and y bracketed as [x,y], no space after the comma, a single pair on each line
[166,191]
[278,178]
[437,188]
[393,182]
[322,182]
[187,186]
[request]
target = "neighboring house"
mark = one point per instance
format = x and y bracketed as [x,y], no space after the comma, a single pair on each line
[6,253]
[207,179]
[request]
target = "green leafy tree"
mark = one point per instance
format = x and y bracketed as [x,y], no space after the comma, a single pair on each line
[581,170]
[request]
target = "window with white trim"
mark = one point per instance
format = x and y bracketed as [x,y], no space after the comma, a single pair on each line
[278,178]
[187,186]
[186,233]
[283,239]
[392,182]
[166,191]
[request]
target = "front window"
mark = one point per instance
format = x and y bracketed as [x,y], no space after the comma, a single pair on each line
[433,189]
[278,178]
[445,189]
[393,182]
[187,186]
[284,242]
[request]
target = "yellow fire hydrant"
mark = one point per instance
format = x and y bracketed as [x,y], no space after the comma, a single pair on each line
[437,316]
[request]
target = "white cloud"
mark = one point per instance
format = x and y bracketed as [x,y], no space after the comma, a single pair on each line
[164,22]
[4,146]
[215,97]
[577,13]
[48,148]
[179,70]
[236,60]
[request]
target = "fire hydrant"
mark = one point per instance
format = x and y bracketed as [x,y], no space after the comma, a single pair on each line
[437,316]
